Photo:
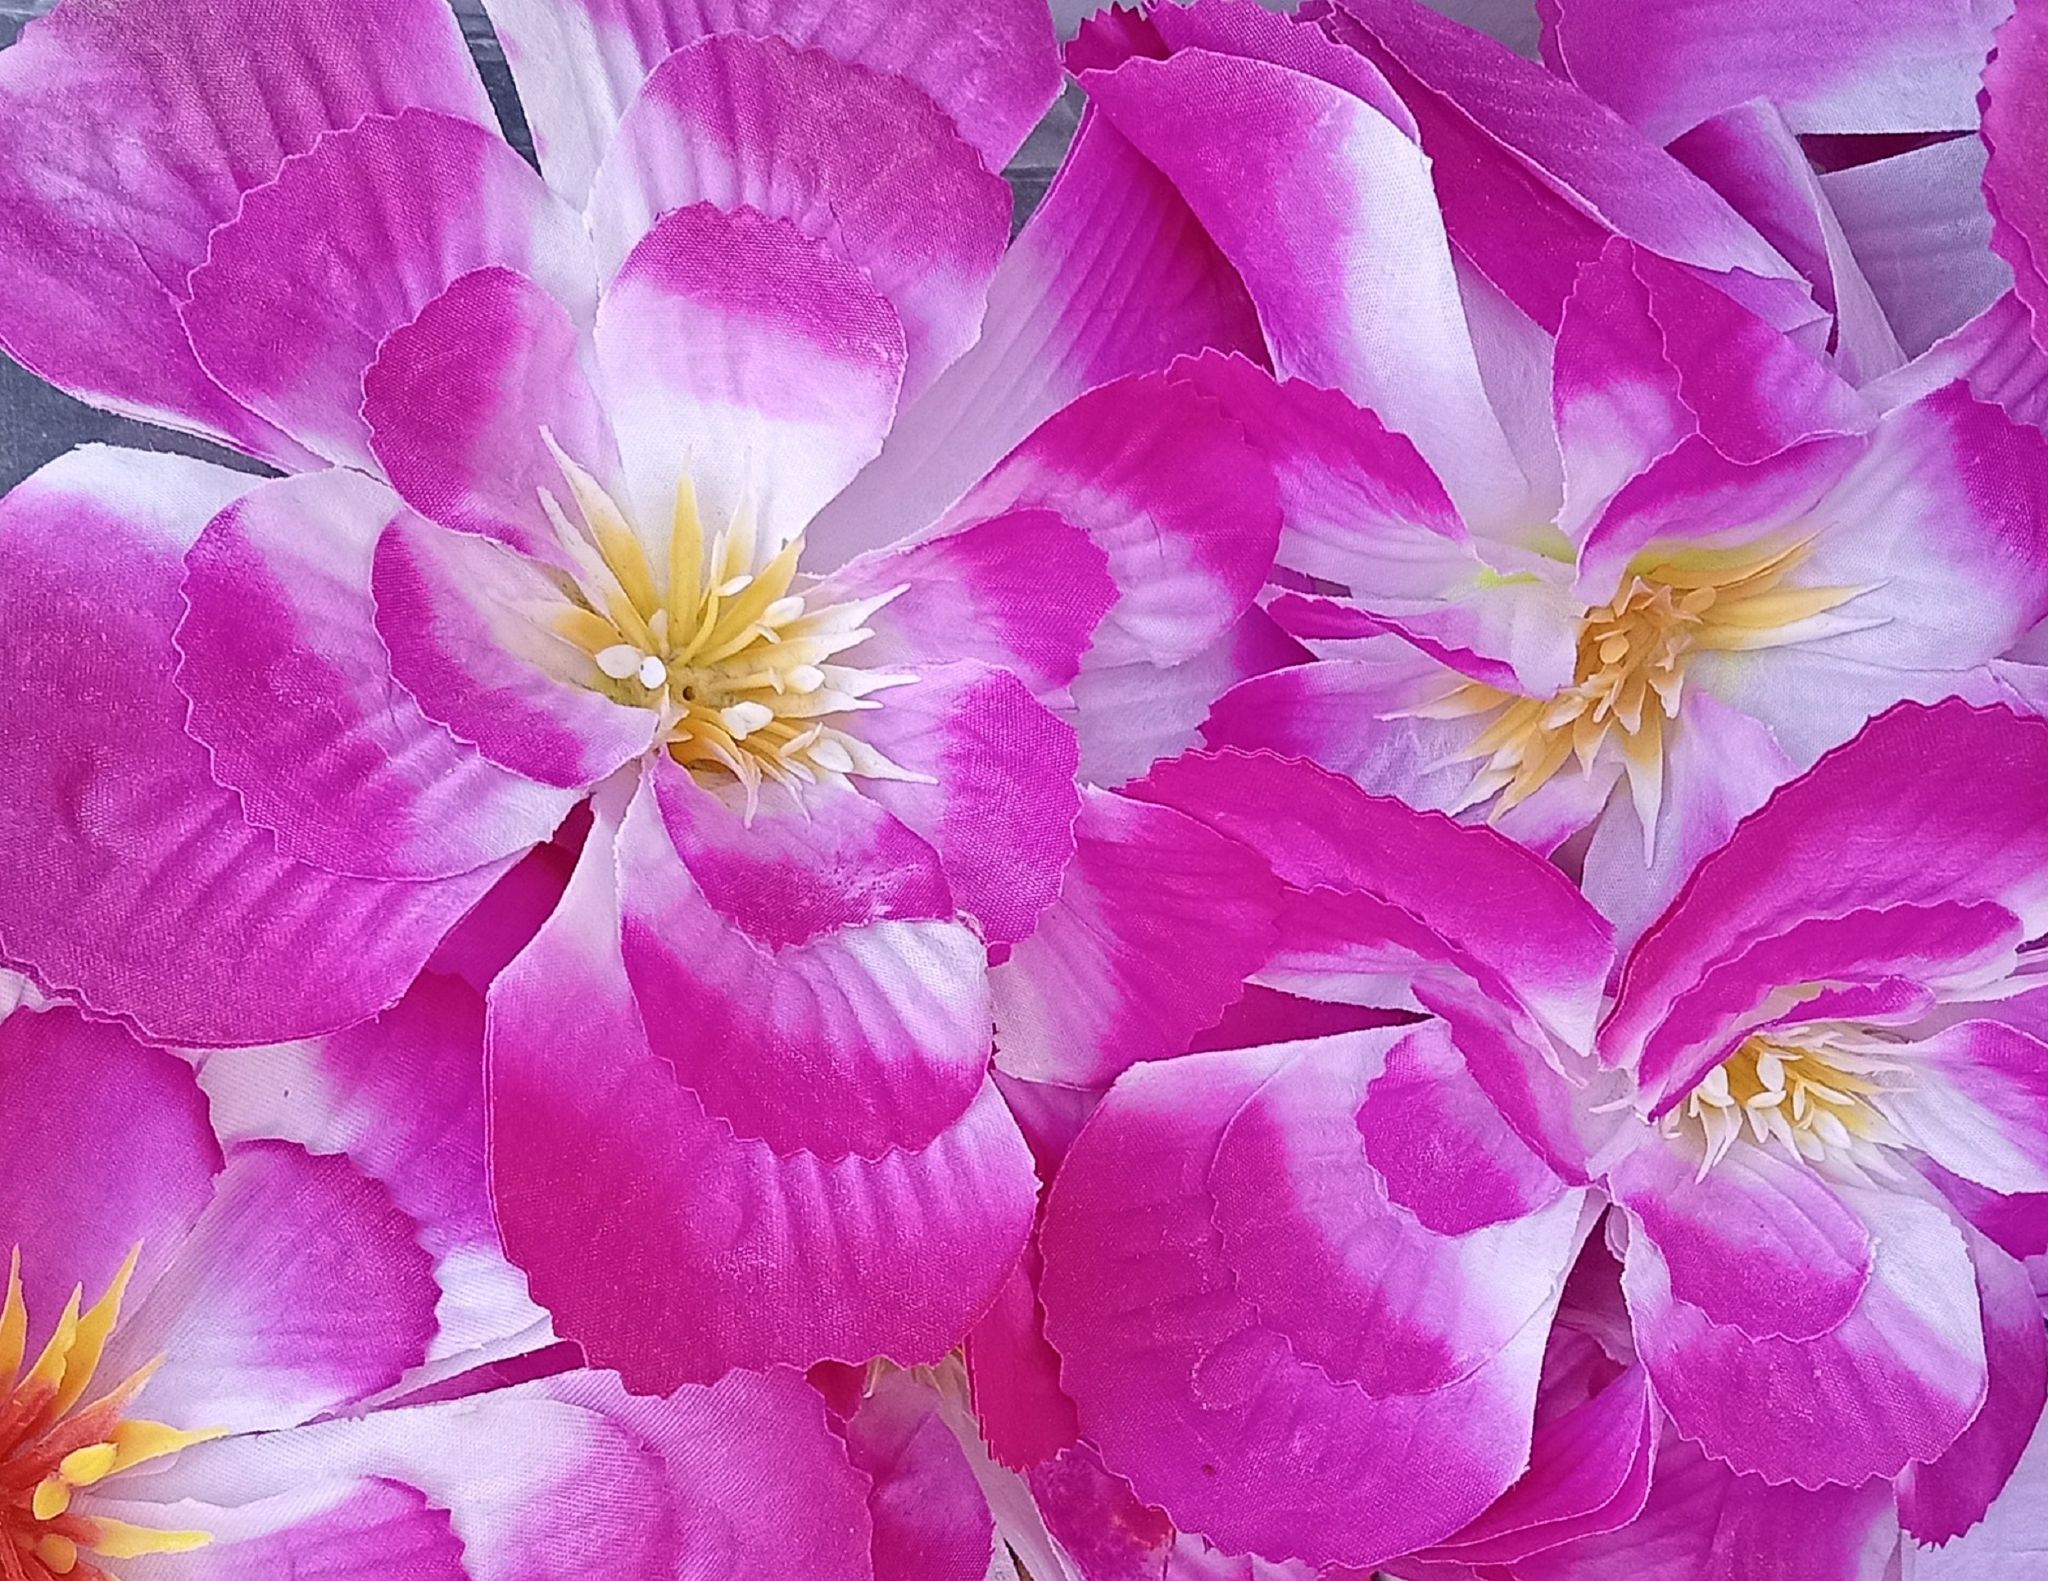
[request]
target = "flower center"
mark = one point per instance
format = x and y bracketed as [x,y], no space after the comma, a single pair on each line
[1825,1094]
[720,640]
[55,1442]
[1630,672]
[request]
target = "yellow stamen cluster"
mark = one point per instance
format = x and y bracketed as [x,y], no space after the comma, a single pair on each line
[1630,673]
[1822,1094]
[54,1442]
[720,640]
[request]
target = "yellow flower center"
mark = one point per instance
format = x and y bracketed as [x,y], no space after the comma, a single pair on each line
[1819,1093]
[720,640]
[1630,671]
[56,1442]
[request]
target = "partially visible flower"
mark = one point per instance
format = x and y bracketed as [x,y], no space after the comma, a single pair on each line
[255,1323]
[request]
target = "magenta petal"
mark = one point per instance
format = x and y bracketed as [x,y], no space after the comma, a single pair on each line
[1758,1243]
[452,609]
[292,694]
[869,1037]
[2016,133]
[1894,66]
[302,1288]
[1001,802]
[132,882]
[600,1161]
[1203,1401]
[990,64]
[349,242]
[1112,276]
[1026,1418]
[457,399]
[202,103]
[1946,1497]
[74,1094]
[737,352]
[855,157]
[931,1521]
[1911,1353]
[1158,924]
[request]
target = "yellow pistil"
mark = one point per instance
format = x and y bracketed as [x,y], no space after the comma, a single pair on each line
[721,641]
[56,1441]
[1825,1094]
[1630,673]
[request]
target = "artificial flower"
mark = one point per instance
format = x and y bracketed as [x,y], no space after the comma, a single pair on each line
[566,570]
[1589,544]
[256,1323]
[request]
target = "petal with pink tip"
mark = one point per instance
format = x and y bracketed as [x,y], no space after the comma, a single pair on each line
[1911,1354]
[301,1289]
[1758,1242]
[596,1150]
[1202,1402]
[133,129]
[1894,66]
[1928,805]
[1344,251]
[1023,591]
[1111,276]
[990,64]
[1157,474]
[2016,133]
[108,1145]
[1158,924]
[131,881]
[349,242]
[930,1519]
[859,158]
[457,400]
[998,799]
[868,1037]
[1981,1104]
[464,619]
[739,354]
[292,695]
[1026,1419]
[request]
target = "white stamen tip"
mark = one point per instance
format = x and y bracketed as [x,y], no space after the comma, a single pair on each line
[831,756]
[738,584]
[743,719]
[653,673]
[806,678]
[621,661]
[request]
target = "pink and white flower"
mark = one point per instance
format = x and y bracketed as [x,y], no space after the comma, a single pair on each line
[576,552]
[251,1311]
[1590,542]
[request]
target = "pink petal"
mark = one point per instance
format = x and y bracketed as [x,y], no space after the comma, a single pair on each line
[989,64]
[1928,805]
[457,399]
[133,884]
[858,1025]
[1026,1418]
[1995,354]
[1159,922]
[1001,802]
[203,102]
[76,1094]
[601,1162]
[853,156]
[2013,1533]
[1112,276]
[1893,66]
[363,1530]
[1157,474]
[930,1518]
[1491,120]
[349,242]
[1946,1497]
[1982,1106]
[1022,591]
[1911,1355]
[736,351]
[1202,1400]
[292,694]
[1758,1243]
[1343,251]
[301,1289]
[2016,133]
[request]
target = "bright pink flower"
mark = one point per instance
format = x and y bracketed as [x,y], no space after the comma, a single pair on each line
[590,526]
[1589,540]
[247,1329]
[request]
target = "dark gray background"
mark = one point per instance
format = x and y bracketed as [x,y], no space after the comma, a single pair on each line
[38,422]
